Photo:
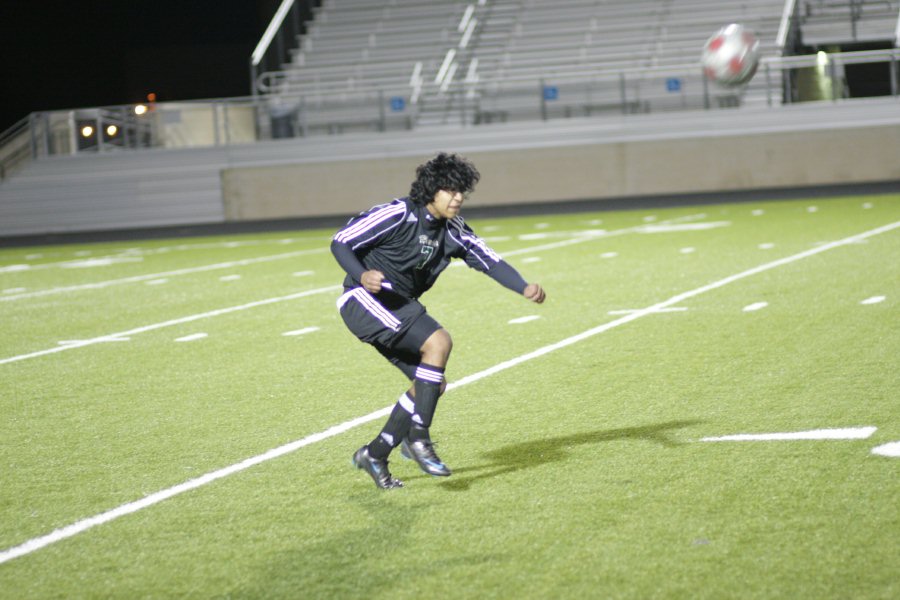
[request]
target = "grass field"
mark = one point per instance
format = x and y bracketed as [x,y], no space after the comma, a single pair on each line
[179,416]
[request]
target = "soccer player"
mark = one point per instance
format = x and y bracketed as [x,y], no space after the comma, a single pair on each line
[393,253]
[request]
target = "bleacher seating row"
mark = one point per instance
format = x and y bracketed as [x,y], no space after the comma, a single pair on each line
[831,22]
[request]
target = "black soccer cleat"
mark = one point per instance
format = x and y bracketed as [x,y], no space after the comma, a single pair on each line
[422,451]
[377,468]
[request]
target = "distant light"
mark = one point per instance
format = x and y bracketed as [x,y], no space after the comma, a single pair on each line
[87,131]
[140,109]
[112,130]
[821,58]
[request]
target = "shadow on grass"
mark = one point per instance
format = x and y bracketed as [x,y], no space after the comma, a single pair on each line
[359,561]
[343,564]
[525,455]
[353,562]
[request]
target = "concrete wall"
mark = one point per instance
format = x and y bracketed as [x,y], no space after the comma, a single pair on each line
[590,171]
[191,125]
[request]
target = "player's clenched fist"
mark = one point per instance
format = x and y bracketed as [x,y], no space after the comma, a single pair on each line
[534,292]
[371,280]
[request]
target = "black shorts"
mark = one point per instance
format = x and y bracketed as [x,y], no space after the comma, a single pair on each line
[396,326]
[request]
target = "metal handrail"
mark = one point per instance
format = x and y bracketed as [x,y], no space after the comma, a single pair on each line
[847,58]
[279,27]
[784,28]
[14,129]
[897,31]
[594,70]
[12,156]
[274,25]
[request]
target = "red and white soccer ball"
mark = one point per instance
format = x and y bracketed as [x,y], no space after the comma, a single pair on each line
[730,57]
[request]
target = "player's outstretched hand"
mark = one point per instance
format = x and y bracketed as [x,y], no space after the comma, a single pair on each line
[534,292]
[371,280]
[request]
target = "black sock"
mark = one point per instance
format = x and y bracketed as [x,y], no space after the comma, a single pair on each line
[396,428]
[417,432]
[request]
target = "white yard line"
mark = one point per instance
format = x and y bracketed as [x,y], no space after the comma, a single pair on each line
[847,433]
[58,535]
[159,276]
[674,300]
[891,449]
[141,252]
[303,331]
[523,319]
[672,228]
[155,326]
[755,306]
[626,311]
[590,237]
[152,280]
[192,338]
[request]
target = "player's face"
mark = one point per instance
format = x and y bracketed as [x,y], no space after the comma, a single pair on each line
[446,204]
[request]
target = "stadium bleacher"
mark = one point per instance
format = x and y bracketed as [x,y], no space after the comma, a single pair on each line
[614,55]
[837,22]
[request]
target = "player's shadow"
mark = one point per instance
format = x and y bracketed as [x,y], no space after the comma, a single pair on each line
[525,455]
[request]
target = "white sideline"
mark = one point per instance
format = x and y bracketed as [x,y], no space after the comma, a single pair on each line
[58,535]
[154,326]
[152,276]
[85,524]
[142,252]
[599,236]
[118,336]
[249,261]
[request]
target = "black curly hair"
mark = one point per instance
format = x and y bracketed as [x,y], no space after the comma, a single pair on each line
[449,172]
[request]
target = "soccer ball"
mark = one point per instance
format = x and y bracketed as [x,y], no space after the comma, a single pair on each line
[730,57]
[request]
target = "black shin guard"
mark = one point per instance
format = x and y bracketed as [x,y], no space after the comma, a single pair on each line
[428,389]
[426,402]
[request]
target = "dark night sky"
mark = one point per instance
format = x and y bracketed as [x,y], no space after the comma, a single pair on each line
[84,53]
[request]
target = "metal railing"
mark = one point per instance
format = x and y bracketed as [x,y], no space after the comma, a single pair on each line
[284,28]
[578,92]
[897,31]
[788,26]
[16,146]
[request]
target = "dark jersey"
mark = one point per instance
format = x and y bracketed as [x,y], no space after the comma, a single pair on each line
[411,247]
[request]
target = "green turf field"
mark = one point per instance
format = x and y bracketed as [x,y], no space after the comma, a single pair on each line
[138,377]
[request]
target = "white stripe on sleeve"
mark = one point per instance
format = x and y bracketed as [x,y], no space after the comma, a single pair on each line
[369,222]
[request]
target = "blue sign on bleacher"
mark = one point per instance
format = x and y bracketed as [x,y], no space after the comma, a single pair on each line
[673,84]
[551,92]
[398,103]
